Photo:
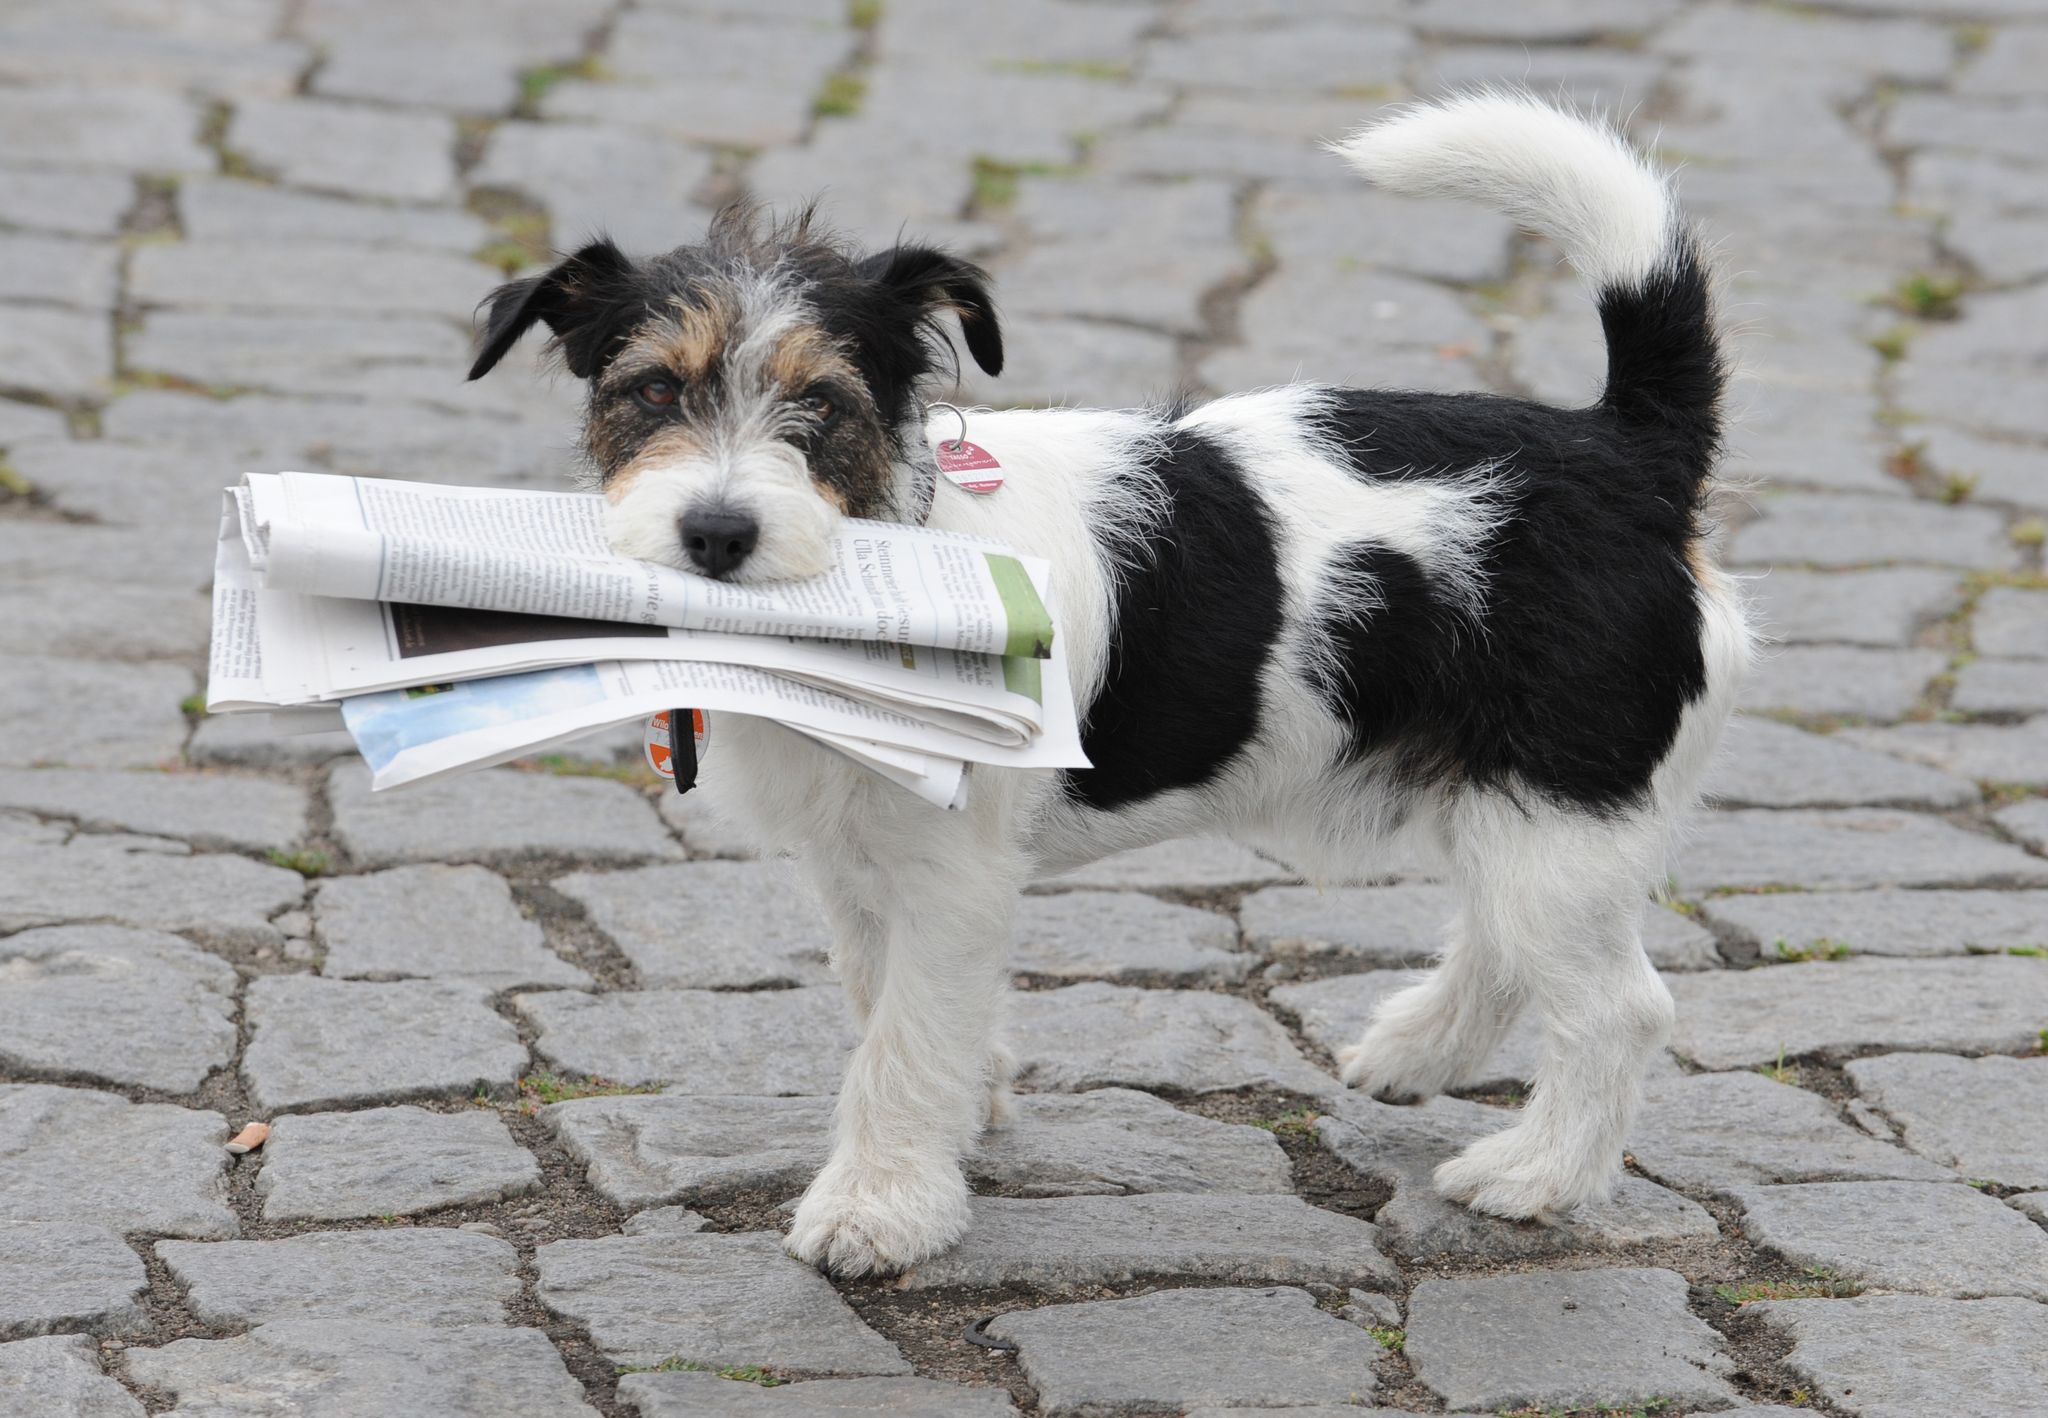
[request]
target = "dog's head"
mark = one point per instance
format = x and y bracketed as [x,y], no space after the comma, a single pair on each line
[747,393]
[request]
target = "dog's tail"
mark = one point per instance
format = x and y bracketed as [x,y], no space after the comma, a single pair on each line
[1582,185]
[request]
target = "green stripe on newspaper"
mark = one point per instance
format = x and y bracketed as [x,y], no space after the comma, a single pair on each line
[1030,625]
[1021,675]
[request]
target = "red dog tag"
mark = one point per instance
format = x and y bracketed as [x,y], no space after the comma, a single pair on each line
[970,467]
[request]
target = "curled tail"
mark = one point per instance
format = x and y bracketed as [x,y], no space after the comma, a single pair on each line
[1582,185]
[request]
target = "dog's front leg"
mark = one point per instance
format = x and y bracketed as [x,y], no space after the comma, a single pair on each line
[918,1085]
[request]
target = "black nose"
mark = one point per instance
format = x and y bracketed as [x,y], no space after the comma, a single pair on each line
[717,539]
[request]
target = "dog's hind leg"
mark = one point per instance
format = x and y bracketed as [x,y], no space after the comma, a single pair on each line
[918,1086]
[1562,894]
[1439,1032]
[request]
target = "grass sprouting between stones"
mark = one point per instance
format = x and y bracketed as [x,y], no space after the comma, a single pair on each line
[1822,948]
[305,862]
[1819,1283]
[675,1363]
[536,1090]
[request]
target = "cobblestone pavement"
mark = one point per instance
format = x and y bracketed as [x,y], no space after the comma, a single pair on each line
[250,233]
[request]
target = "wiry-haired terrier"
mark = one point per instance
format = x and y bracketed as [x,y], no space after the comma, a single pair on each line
[1310,617]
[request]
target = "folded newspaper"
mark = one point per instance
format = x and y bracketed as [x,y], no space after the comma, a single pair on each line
[455,628]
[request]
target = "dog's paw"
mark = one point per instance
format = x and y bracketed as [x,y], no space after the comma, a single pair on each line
[1002,1067]
[865,1221]
[1521,1176]
[1391,1070]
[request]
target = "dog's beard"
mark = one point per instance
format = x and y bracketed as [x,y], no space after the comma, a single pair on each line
[767,481]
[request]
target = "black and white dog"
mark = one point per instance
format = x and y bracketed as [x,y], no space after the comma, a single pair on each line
[1309,617]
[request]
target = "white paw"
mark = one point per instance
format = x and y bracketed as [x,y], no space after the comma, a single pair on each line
[1518,1174]
[1391,1069]
[857,1220]
[1002,1067]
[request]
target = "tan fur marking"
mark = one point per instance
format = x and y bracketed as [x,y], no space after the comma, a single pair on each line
[689,338]
[807,355]
[671,446]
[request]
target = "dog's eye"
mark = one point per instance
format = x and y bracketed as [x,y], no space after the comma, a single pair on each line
[819,406]
[657,393]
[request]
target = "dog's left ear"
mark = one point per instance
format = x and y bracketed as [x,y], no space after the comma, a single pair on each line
[580,301]
[925,281]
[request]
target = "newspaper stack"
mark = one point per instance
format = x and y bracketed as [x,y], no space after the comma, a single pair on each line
[456,628]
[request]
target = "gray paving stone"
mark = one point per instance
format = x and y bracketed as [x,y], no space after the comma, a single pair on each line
[1904,1356]
[117,56]
[2011,621]
[116,1005]
[717,1300]
[764,111]
[336,1043]
[1979,372]
[693,1395]
[1071,1243]
[494,817]
[1405,333]
[329,1368]
[645,1150]
[709,925]
[1293,59]
[481,77]
[1992,753]
[1401,1147]
[425,1276]
[1565,1339]
[1801,44]
[1159,286]
[2034,1204]
[1766,764]
[1063,360]
[1987,1118]
[1176,1348]
[20,422]
[1248,136]
[246,741]
[60,1376]
[388,1162]
[63,354]
[1935,1238]
[2027,821]
[1124,935]
[1542,20]
[664,1220]
[640,186]
[244,274]
[441,922]
[130,130]
[1200,211]
[348,148]
[1188,864]
[1719,1131]
[1050,32]
[1853,607]
[1884,922]
[59,270]
[98,479]
[1841,679]
[1375,925]
[391,355]
[150,883]
[1818,848]
[698,1041]
[1326,228]
[705,830]
[223,209]
[1096,1035]
[206,809]
[1820,529]
[2000,472]
[1742,1018]
[170,1181]
[116,622]
[2001,687]
[77,203]
[59,1276]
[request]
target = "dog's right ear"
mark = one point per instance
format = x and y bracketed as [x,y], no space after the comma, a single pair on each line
[583,301]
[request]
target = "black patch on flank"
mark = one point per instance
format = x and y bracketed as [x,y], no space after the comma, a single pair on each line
[1574,676]
[1195,621]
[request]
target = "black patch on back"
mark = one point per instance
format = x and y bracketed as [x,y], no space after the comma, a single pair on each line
[1194,624]
[1575,676]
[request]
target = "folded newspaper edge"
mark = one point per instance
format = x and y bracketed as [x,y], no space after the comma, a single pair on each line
[427,693]
[545,553]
